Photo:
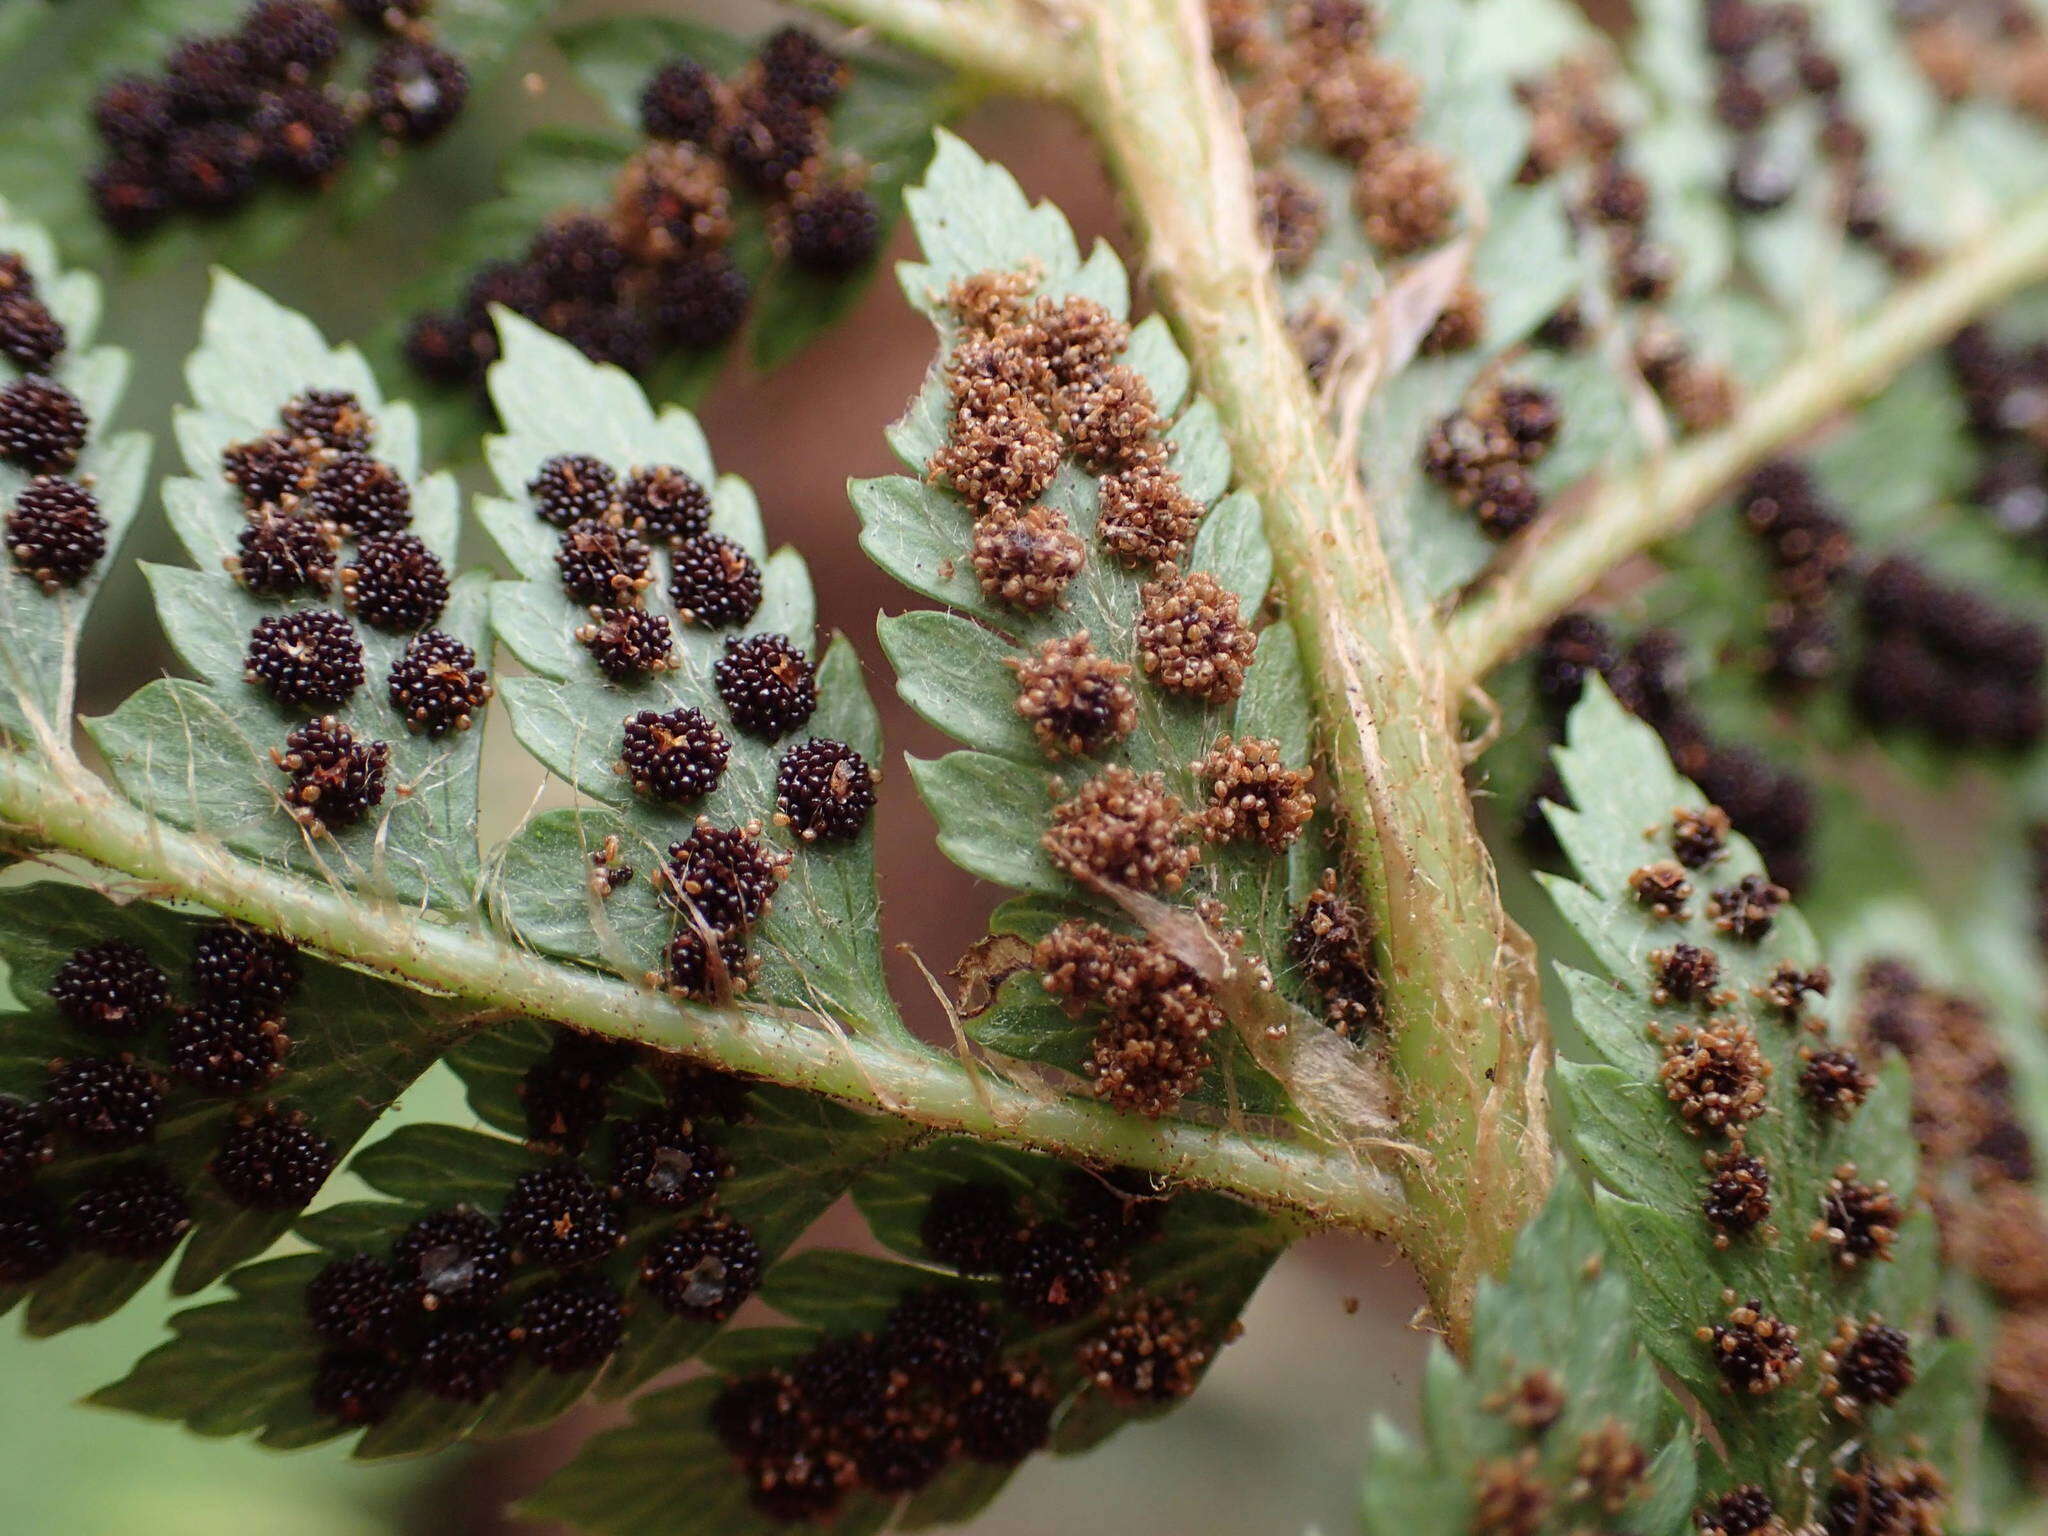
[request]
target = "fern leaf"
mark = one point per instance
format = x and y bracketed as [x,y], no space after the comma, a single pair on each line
[1556,1383]
[790,1156]
[198,752]
[883,122]
[885,118]
[1651,1143]
[1205,1260]
[356,1043]
[820,943]
[39,632]
[49,147]
[958,667]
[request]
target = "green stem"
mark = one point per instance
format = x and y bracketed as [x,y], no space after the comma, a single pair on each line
[1467,1030]
[58,805]
[1561,561]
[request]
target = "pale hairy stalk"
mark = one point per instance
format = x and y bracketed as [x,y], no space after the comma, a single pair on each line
[1461,1007]
[56,803]
[1560,561]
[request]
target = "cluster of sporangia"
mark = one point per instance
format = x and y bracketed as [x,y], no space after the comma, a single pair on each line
[1030,381]
[56,534]
[1772,68]
[230,110]
[1996,48]
[889,1410]
[2005,392]
[1937,658]
[1573,134]
[307,487]
[1316,78]
[654,272]
[1773,809]
[461,1296]
[720,880]
[1606,1471]
[1483,454]
[1717,1076]
[1979,1166]
[145,1059]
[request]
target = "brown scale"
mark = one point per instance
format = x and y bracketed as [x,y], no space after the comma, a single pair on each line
[1702,396]
[1738,1197]
[1150,1354]
[1461,325]
[1077,337]
[1610,1466]
[1685,973]
[1858,1221]
[1077,702]
[1406,197]
[1716,1075]
[1533,1402]
[671,201]
[1111,419]
[1122,828]
[1754,1351]
[1025,559]
[1146,518]
[1662,890]
[1317,336]
[1509,1496]
[1191,639]
[1361,104]
[1292,218]
[1253,795]
[1332,943]
[985,300]
[1003,460]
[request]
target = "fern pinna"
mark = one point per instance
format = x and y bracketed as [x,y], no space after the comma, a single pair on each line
[1261,630]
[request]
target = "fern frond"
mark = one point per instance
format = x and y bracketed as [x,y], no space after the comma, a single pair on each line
[1693,1073]
[39,632]
[881,124]
[199,753]
[962,669]
[49,147]
[1557,1411]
